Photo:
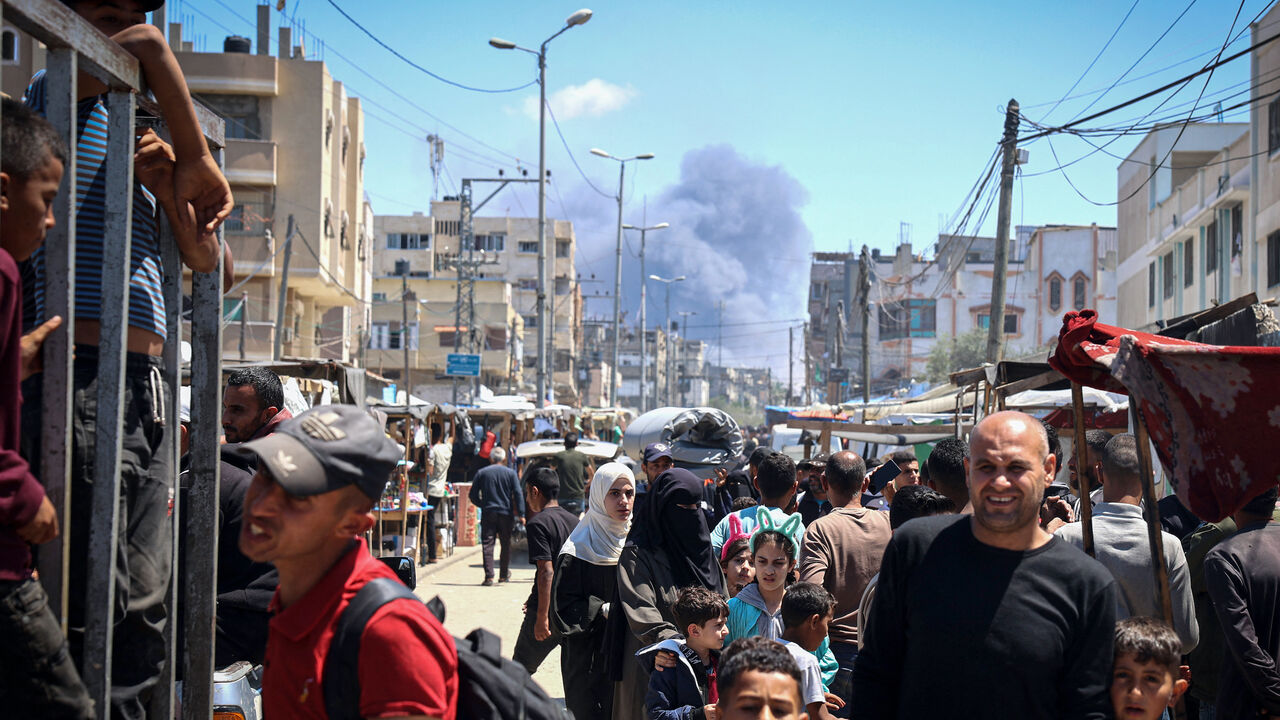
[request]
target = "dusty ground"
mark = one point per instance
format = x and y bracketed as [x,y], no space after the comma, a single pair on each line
[457,579]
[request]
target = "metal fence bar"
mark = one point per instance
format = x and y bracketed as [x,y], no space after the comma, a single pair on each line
[59,299]
[200,528]
[109,421]
[58,26]
[163,698]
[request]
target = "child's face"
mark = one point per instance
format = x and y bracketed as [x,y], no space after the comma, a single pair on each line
[710,635]
[815,631]
[27,205]
[762,696]
[1142,689]
[738,570]
[111,16]
[772,565]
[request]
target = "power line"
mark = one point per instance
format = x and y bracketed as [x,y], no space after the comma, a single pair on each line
[418,67]
[564,142]
[1095,60]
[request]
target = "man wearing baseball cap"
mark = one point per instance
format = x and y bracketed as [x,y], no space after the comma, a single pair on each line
[656,460]
[310,501]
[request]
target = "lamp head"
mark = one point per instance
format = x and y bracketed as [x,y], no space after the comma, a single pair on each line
[502,44]
[679,279]
[654,277]
[661,226]
[578,18]
[630,227]
[645,156]
[601,153]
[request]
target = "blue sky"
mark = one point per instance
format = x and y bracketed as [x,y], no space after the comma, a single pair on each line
[857,117]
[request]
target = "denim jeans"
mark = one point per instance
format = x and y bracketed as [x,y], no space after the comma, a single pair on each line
[40,680]
[144,537]
[842,687]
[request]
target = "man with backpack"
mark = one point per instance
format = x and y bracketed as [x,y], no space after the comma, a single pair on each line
[306,508]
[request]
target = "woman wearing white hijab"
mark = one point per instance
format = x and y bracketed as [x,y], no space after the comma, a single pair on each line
[586,574]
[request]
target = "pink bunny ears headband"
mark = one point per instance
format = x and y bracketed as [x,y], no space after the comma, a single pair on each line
[791,529]
[736,533]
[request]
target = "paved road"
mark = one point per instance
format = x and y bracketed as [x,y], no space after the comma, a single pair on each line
[498,608]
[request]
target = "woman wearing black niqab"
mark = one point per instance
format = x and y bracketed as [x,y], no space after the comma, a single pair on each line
[669,548]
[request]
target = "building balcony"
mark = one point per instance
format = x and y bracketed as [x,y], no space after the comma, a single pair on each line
[250,162]
[230,73]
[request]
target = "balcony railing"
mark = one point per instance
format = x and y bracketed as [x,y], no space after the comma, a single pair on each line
[73,46]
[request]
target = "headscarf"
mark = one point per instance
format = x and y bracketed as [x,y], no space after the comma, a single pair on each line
[679,533]
[598,538]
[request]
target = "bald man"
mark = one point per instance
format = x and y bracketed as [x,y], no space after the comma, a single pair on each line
[986,615]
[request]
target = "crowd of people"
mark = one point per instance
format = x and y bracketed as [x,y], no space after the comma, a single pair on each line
[773,589]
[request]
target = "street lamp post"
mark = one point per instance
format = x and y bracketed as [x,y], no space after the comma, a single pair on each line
[577,18]
[684,323]
[617,271]
[644,366]
[668,282]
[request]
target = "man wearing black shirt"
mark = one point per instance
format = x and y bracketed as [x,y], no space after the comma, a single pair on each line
[547,532]
[986,615]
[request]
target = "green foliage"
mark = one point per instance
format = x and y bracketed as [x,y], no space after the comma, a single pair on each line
[957,353]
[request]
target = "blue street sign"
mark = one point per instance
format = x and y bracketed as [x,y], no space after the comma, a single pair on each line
[462,365]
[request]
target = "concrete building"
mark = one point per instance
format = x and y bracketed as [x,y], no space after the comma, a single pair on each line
[421,245]
[657,347]
[1206,228]
[915,302]
[429,335]
[295,148]
[746,387]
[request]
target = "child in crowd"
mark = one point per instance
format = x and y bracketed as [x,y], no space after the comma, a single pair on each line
[40,678]
[1145,681]
[807,610]
[735,558]
[757,608]
[688,691]
[759,675]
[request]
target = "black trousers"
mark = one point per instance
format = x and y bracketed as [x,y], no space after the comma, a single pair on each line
[40,680]
[495,526]
[529,651]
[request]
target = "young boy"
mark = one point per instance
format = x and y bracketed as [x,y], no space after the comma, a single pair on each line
[1145,681]
[759,679]
[688,691]
[807,610]
[184,181]
[40,679]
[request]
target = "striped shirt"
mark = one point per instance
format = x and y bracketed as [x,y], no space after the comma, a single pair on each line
[146,294]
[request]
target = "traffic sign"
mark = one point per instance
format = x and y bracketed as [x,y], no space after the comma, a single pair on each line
[462,365]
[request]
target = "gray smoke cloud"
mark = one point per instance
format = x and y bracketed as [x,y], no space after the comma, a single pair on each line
[736,234]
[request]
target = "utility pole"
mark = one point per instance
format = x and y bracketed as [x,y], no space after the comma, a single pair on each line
[511,355]
[284,293]
[791,363]
[808,374]
[404,335]
[864,289]
[1009,143]
[720,334]
[244,320]
[833,386]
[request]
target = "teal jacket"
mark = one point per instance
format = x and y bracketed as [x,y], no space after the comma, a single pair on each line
[747,618]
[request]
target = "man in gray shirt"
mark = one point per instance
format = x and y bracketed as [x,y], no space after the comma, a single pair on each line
[1121,544]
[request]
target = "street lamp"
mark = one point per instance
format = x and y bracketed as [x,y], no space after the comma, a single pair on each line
[684,323]
[644,388]
[617,271]
[577,18]
[668,282]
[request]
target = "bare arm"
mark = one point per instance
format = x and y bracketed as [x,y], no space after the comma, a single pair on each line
[542,580]
[153,164]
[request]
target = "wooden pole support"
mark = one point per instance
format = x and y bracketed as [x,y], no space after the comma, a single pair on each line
[1078,447]
[1152,513]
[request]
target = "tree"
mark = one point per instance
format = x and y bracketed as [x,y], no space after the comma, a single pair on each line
[959,352]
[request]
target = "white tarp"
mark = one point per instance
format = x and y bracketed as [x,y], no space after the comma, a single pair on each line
[1106,401]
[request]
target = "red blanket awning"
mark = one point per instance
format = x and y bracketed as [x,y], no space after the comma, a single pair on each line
[1212,411]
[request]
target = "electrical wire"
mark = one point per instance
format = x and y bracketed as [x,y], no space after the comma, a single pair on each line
[564,142]
[1097,57]
[418,67]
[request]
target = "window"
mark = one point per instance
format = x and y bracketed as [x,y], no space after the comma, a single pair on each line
[9,46]
[379,297]
[346,141]
[446,227]
[1151,187]
[491,243]
[815,291]
[402,267]
[1211,247]
[1010,322]
[1166,261]
[1237,230]
[232,310]
[563,248]
[924,317]
[893,321]
[378,336]
[240,112]
[495,337]
[328,129]
[1273,259]
[446,335]
[527,246]
[562,286]
[1273,125]
[1078,289]
[1151,285]
[530,321]
[342,232]
[408,241]
[328,220]
[1188,262]
[1055,294]
[527,284]
[248,215]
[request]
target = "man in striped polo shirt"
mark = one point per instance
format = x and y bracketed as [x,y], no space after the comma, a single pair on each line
[184,181]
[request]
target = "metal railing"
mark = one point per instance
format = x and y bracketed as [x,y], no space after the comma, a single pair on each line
[74,46]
